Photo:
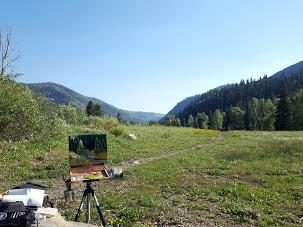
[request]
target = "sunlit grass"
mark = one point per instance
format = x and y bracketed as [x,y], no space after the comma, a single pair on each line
[250,178]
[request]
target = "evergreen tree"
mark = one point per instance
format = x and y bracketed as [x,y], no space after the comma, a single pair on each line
[298,110]
[283,112]
[90,109]
[191,121]
[227,120]
[97,110]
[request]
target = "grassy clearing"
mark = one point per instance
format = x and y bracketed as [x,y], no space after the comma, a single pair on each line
[250,178]
[48,161]
[240,181]
[154,140]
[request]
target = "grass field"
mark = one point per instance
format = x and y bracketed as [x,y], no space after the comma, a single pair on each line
[210,178]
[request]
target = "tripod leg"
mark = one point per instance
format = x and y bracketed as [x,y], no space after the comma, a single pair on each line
[88,207]
[99,209]
[81,205]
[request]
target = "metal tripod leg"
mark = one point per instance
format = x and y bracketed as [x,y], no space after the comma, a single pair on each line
[88,207]
[81,205]
[88,192]
[99,209]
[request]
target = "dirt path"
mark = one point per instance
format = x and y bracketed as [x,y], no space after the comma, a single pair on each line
[141,161]
[57,190]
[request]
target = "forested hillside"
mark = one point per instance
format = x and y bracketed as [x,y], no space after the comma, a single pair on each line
[241,104]
[62,95]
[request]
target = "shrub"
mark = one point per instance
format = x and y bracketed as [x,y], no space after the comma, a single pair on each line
[102,123]
[25,115]
[117,131]
[72,115]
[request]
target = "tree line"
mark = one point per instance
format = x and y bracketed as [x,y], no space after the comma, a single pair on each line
[239,94]
[282,113]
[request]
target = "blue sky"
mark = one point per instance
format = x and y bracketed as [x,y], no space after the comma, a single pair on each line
[150,54]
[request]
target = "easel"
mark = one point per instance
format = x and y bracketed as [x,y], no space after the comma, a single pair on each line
[89,192]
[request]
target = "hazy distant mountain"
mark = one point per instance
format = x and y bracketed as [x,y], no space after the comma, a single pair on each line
[187,101]
[181,106]
[60,95]
[289,70]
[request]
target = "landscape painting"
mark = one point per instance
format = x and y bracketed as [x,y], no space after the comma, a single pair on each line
[87,156]
[87,149]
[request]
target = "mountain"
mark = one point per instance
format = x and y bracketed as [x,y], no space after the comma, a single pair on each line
[234,94]
[289,70]
[187,101]
[180,106]
[61,95]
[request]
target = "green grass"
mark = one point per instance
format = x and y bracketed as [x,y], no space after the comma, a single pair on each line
[153,140]
[250,178]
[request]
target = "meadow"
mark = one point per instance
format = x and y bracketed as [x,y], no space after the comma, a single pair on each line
[183,176]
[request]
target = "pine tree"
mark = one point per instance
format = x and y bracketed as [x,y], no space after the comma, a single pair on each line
[298,110]
[283,120]
[90,109]
[97,110]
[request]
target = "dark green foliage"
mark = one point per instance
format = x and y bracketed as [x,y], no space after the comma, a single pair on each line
[250,105]
[266,115]
[202,120]
[298,111]
[93,109]
[90,109]
[97,110]
[172,120]
[283,120]
[236,118]
[241,95]
[251,114]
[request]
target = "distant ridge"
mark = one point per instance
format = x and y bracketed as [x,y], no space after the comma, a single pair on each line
[181,106]
[61,95]
[289,70]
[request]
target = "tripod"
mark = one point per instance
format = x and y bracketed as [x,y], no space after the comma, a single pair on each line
[88,192]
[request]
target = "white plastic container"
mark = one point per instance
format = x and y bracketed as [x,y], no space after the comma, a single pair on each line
[15,198]
[31,197]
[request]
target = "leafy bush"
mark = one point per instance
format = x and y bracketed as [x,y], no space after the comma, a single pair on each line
[71,115]
[117,131]
[25,115]
[102,123]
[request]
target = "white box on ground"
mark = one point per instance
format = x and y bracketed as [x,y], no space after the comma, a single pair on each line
[29,196]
